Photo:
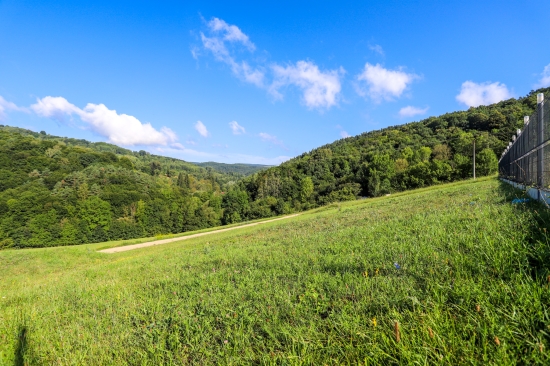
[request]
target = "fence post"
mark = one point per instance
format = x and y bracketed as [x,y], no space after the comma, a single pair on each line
[540,140]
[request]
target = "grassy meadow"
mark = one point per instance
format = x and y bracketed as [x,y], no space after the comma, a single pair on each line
[452,274]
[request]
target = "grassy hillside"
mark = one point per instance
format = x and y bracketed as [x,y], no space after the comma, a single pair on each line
[243,169]
[323,288]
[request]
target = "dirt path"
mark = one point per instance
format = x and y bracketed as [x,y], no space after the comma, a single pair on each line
[171,240]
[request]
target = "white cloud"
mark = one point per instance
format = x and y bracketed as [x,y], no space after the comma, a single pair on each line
[410,111]
[201,129]
[320,89]
[383,84]
[230,33]
[378,49]
[474,94]
[272,139]
[8,106]
[236,128]
[119,129]
[344,134]
[216,43]
[216,46]
[178,146]
[544,81]
[251,75]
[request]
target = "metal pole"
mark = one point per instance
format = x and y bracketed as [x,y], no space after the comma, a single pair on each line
[540,140]
[474,159]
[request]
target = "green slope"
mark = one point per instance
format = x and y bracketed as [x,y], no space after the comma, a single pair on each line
[319,289]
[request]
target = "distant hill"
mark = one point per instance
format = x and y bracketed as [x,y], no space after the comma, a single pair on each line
[244,169]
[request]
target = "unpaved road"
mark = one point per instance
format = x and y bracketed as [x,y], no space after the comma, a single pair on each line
[171,240]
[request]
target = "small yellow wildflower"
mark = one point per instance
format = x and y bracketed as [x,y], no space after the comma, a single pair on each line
[374,322]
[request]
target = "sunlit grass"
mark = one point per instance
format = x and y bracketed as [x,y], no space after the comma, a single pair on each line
[321,288]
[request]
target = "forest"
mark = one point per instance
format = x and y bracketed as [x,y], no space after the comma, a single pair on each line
[63,191]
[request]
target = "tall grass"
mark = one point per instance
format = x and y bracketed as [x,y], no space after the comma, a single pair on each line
[454,274]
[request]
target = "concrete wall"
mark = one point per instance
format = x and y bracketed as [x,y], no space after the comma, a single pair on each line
[534,193]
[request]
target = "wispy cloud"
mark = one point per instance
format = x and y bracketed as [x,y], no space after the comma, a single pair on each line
[410,111]
[474,94]
[272,139]
[236,128]
[320,88]
[221,145]
[117,128]
[379,83]
[343,134]
[378,49]
[8,106]
[201,129]
[544,80]
[220,35]
[178,146]
[230,33]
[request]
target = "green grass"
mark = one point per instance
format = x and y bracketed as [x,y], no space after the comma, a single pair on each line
[320,288]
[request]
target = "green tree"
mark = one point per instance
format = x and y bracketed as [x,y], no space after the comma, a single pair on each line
[306,189]
[95,212]
[486,162]
[236,206]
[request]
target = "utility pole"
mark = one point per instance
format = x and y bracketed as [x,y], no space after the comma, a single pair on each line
[474,161]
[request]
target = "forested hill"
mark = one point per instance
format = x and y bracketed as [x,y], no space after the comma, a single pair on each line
[432,151]
[243,169]
[59,191]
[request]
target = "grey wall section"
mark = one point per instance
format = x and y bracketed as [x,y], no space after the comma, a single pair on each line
[537,194]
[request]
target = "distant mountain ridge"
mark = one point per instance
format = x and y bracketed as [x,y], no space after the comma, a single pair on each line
[240,168]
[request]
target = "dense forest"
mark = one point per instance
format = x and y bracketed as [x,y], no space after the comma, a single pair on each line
[63,191]
[60,191]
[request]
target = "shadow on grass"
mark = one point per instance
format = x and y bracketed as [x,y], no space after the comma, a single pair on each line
[21,346]
[539,230]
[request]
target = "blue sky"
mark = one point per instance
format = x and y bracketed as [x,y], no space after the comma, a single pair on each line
[258,82]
